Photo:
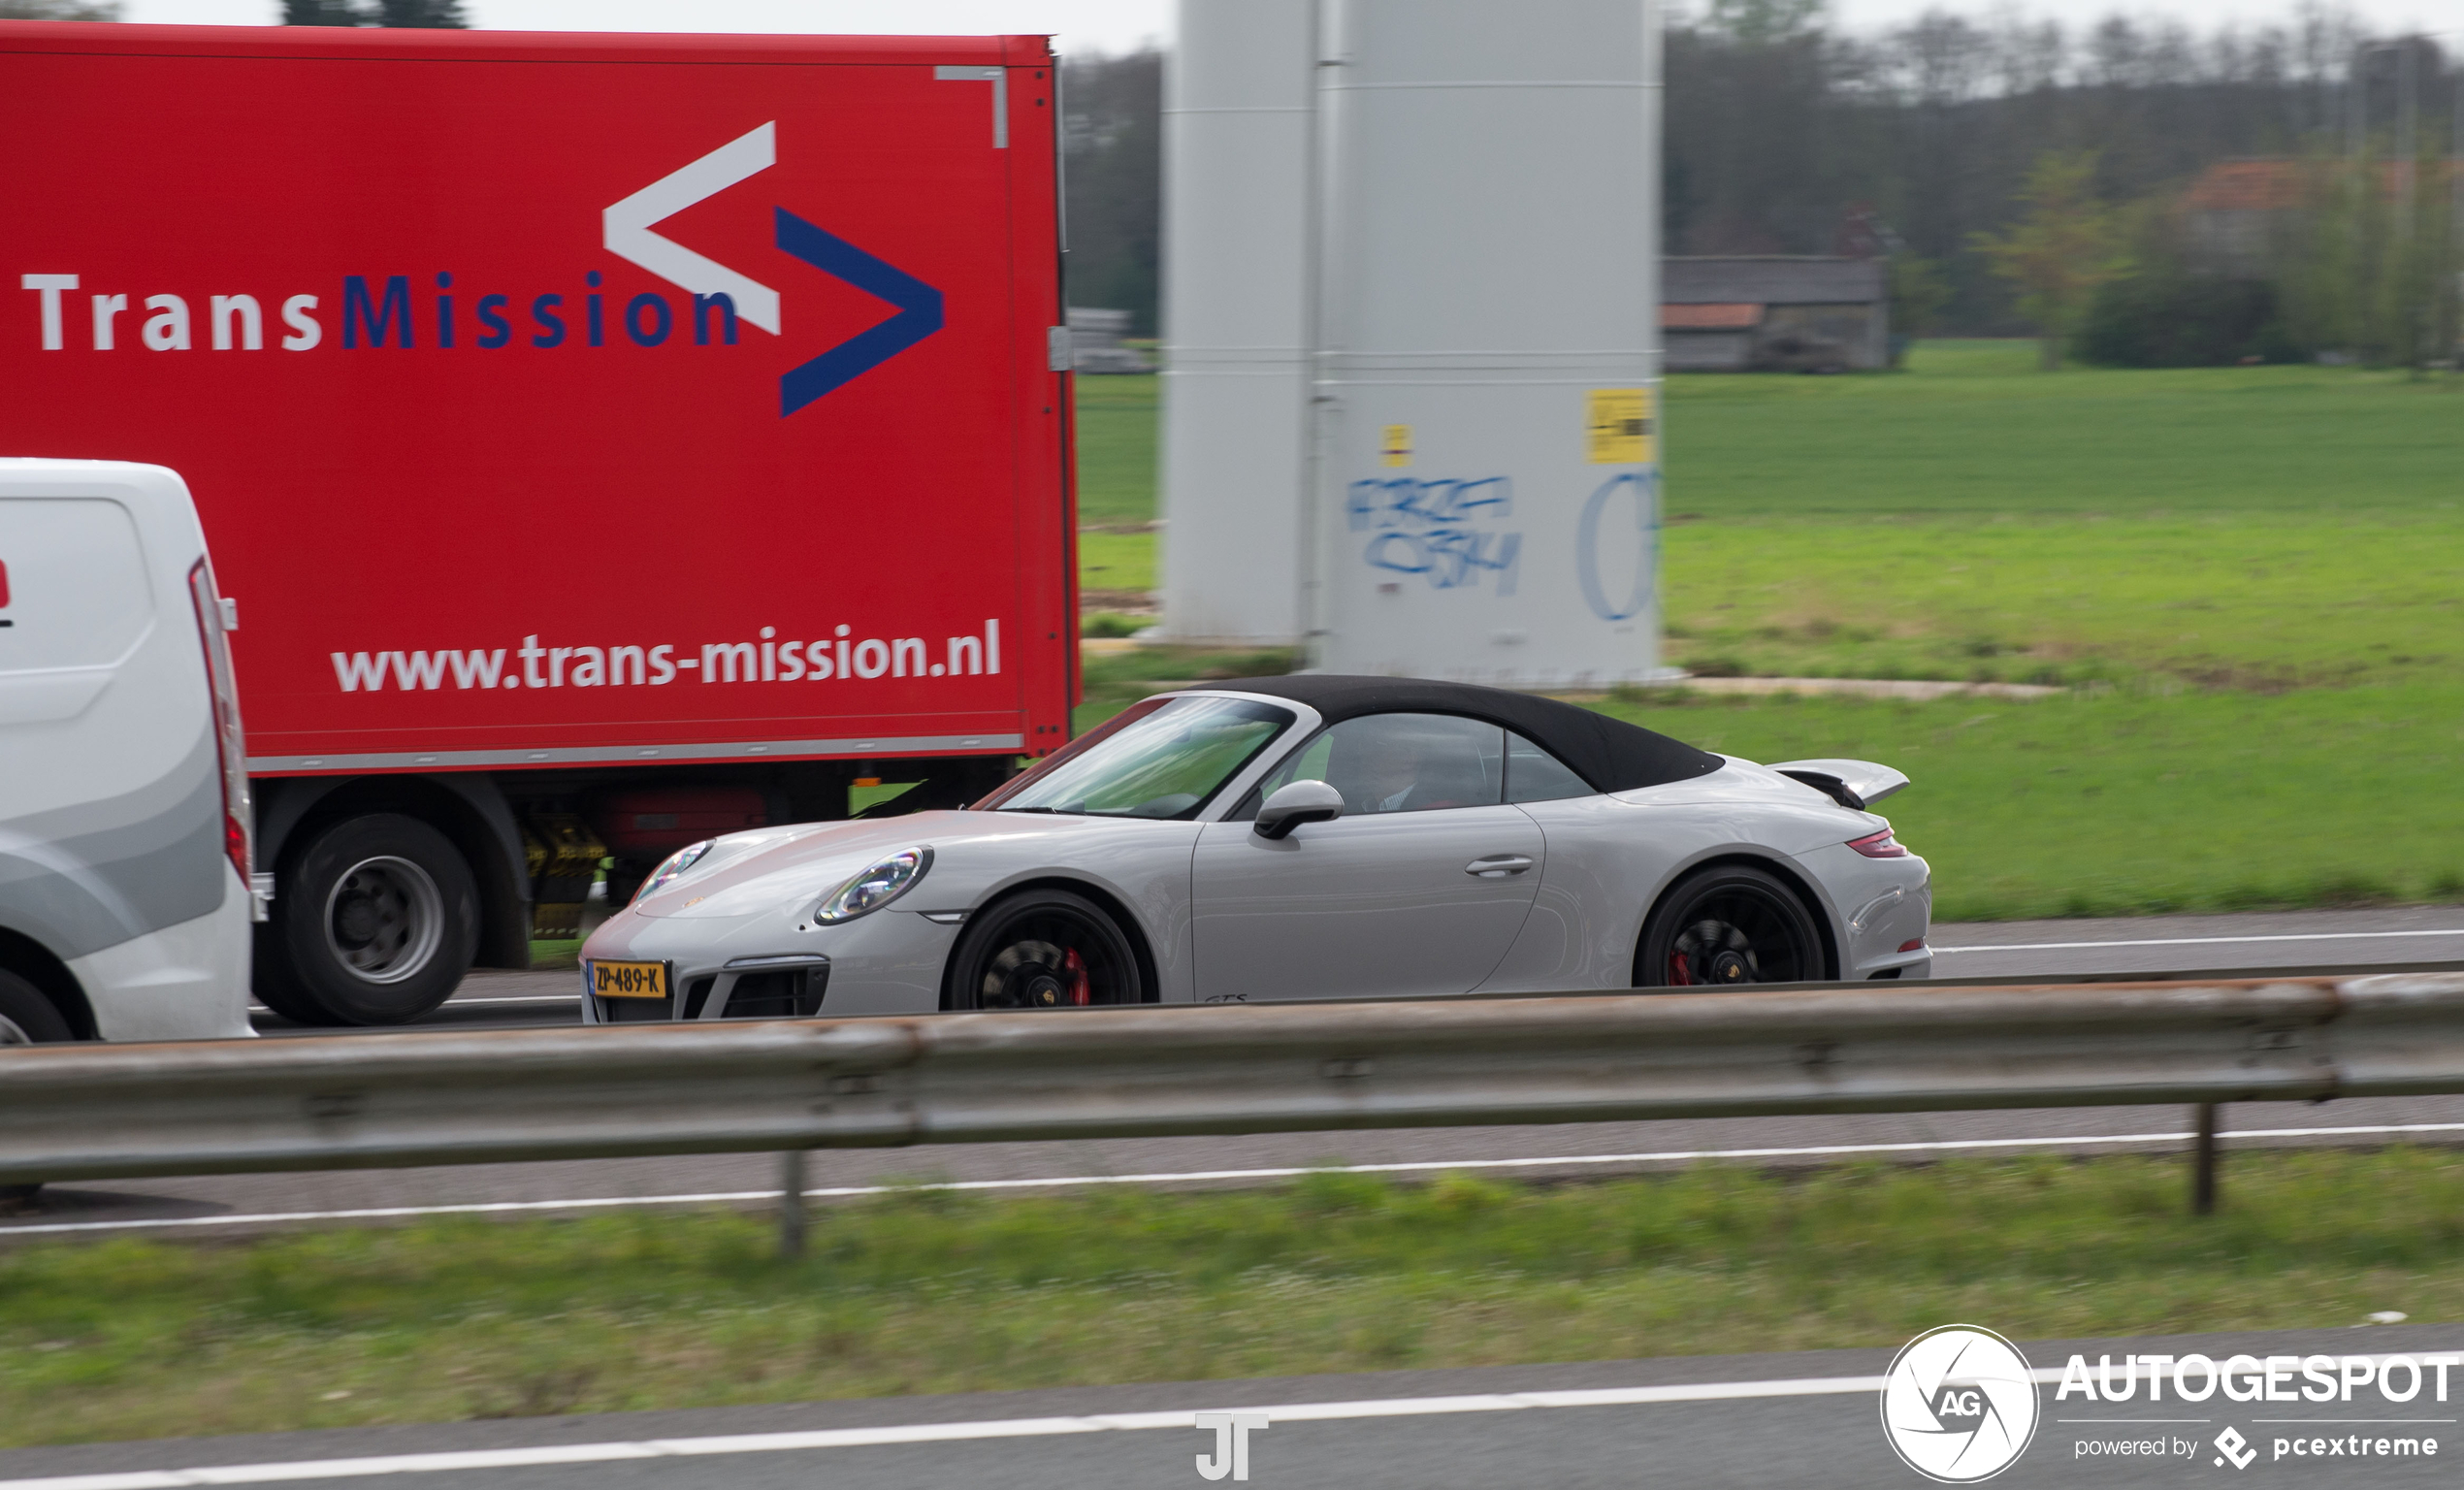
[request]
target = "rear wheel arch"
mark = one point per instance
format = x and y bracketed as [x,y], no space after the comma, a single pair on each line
[1131,928]
[1817,910]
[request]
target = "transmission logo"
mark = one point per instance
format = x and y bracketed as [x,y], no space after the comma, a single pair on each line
[1958,1405]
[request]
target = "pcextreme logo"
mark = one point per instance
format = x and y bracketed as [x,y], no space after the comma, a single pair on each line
[1959,1404]
[386,312]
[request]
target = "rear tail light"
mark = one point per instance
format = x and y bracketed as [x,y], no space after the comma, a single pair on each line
[1913,944]
[231,743]
[1879,845]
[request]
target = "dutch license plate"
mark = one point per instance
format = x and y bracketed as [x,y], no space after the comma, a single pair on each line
[630,980]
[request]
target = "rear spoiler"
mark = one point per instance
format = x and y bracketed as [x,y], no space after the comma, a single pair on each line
[1853,784]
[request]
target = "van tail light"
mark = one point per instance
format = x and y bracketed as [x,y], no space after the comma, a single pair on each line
[231,742]
[1879,845]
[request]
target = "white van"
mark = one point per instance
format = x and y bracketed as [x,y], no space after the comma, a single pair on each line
[125,835]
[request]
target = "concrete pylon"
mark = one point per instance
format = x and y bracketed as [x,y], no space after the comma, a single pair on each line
[1237,251]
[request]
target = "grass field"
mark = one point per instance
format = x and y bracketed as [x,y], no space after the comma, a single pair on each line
[2133,803]
[927,1292]
[2240,527]
[2252,579]
[1972,426]
[1116,451]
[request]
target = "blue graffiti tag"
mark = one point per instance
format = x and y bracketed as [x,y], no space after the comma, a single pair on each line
[1406,502]
[1451,557]
[1647,493]
[1426,527]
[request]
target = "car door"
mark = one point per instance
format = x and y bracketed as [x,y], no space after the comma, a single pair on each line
[1419,889]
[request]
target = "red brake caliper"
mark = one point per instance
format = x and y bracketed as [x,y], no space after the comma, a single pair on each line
[1680,976]
[1075,967]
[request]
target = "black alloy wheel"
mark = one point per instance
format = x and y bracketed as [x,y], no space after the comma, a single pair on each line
[1726,927]
[1043,949]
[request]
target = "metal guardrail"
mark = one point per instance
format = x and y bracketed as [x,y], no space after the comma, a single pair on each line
[98,1111]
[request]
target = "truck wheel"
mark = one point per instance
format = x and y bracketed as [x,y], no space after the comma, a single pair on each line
[26,1017]
[375,925]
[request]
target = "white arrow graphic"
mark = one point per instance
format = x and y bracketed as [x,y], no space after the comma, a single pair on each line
[628,234]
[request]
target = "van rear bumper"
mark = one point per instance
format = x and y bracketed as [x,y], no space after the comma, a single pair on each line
[186,982]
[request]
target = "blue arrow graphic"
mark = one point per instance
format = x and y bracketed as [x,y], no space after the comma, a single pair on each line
[918,312]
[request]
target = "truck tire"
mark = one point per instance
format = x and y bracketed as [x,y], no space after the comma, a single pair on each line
[26,1017]
[375,924]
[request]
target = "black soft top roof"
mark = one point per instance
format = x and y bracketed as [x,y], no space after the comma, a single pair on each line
[1610,754]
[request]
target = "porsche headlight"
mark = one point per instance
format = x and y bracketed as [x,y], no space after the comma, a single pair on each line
[875,888]
[673,869]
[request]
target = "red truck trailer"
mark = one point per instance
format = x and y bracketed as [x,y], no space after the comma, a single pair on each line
[607,440]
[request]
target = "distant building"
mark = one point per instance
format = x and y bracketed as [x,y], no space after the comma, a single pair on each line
[1094,342]
[2230,212]
[2235,214]
[1772,314]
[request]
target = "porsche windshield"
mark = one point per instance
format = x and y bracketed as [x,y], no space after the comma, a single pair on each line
[1161,758]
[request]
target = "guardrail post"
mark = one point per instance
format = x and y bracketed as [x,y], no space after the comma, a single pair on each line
[2203,1163]
[792,1205]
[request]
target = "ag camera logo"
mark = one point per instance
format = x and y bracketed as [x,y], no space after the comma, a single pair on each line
[1959,1404]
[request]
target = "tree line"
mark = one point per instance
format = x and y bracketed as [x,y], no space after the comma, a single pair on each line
[1932,143]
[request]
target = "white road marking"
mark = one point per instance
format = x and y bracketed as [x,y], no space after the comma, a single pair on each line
[945,1432]
[848,1191]
[2201,940]
[996,1427]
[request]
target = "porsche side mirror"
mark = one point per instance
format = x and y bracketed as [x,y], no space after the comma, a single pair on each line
[1295,803]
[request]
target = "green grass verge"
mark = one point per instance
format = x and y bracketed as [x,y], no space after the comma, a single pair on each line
[2131,802]
[1116,451]
[1117,561]
[931,1293]
[2261,600]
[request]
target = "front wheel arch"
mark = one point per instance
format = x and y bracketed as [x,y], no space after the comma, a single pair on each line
[1130,926]
[1817,910]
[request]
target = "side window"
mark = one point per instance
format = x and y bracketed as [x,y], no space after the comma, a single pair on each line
[1400,763]
[1533,775]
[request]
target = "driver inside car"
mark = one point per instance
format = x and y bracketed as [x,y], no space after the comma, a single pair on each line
[1408,763]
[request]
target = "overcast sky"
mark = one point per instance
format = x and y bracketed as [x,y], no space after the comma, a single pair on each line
[1117,25]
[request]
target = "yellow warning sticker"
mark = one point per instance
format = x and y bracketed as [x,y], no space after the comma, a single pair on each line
[1621,426]
[1394,446]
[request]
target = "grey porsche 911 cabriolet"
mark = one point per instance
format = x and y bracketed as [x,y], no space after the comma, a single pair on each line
[1293,838]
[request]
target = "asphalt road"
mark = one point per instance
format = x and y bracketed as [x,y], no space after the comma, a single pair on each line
[2156,944]
[1809,1418]
[227,1204]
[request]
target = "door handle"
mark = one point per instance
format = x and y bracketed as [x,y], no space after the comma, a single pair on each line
[1497,867]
